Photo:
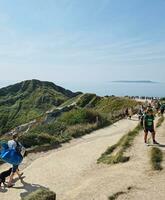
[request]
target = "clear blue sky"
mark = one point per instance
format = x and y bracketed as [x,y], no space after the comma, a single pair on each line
[82,40]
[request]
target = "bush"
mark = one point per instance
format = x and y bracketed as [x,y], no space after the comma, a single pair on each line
[114,105]
[52,129]
[80,116]
[80,129]
[156,158]
[29,140]
[41,194]
[85,99]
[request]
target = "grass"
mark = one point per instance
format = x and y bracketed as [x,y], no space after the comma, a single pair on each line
[92,113]
[72,124]
[25,101]
[79,116]
[71,101]
[85,99]
[41,194]
[156,158]
[38,141]
[41,142]
[114,105]
[115,153]
[160,121]
[117,194]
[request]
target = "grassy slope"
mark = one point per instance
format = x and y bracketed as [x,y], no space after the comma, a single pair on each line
[82,120]
[27,100]
[91,113]
[74,123]
[114,104]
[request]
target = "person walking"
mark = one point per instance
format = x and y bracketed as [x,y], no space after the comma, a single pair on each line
[126,113]
[148,125]
[16,145]
[162,108]
[130,113]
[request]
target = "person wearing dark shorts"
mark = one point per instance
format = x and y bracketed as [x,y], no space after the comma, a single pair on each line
[148,125]
[12,144]
[15,168]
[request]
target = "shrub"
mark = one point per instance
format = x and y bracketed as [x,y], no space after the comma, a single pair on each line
[80,129]
[52,129]
[33,139]
[80,116]
[114,105]
[29,140]
[156,158]
[85,99]
[41,194]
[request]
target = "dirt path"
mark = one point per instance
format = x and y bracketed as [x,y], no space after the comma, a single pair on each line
[151,185]
[72,172]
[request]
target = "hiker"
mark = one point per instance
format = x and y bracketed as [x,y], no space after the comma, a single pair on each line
[162,108]
[140,113]
[126,112]
[130,113]
[148,125]
[14,144]
[157,106]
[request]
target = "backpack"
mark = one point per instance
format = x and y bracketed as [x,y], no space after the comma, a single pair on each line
[20,149]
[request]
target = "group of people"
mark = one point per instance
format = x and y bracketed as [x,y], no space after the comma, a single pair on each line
[147,115]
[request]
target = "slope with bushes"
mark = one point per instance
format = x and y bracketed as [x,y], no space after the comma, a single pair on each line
[27,100]
[74,123]
[70,114]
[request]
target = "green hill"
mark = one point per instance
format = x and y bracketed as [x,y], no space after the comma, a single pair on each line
[27,100]
[59,114]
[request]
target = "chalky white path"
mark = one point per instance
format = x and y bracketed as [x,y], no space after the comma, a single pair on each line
[71,171]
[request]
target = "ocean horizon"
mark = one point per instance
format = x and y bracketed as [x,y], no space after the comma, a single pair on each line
[110,88]
[119,89]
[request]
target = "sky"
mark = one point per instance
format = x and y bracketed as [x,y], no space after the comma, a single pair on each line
[82,40]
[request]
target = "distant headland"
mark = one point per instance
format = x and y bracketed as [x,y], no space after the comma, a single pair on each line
[137,81]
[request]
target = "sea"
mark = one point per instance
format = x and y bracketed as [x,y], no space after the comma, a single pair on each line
[119,89]
[111,88]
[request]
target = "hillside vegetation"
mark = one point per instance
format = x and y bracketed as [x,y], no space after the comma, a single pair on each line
[70,114]
[28,100]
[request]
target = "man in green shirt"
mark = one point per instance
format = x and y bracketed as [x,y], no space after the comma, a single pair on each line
[148,125]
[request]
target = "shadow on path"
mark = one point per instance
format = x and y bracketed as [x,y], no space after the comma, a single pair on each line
[157,145]
[161,145]
[3,189]
[28,187]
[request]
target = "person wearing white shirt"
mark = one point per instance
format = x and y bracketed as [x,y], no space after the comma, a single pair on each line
[13,144]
